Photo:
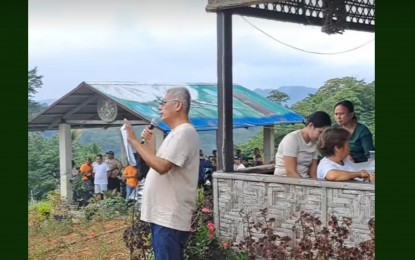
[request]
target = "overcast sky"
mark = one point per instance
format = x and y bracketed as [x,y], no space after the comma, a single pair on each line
[149,41]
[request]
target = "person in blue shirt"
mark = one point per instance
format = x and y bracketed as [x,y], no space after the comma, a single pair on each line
[205,167]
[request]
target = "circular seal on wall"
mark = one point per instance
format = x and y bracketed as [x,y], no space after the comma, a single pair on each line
[107,110]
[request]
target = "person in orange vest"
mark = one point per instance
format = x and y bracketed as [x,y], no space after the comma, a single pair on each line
[87,178]
[131,179]
[86,170]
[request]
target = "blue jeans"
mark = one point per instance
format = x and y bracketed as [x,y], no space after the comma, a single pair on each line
[129,191]
[168,243]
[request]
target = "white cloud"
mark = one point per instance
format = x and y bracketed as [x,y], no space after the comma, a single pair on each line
[175,41]
[59,26]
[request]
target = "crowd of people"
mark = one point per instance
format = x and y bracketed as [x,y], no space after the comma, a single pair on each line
[241,161]
[208,163]
[109,175]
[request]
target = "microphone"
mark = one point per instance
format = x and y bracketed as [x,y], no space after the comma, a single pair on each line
[154,122]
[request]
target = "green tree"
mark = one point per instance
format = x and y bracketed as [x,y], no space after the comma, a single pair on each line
[359,92]
[34,83]
[278,96]
[80,152]
[43,161]
[43,165]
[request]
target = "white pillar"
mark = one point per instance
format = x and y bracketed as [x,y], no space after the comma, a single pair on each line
[65,161]
[269,146]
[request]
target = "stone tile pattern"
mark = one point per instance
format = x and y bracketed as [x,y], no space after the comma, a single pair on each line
[286,201]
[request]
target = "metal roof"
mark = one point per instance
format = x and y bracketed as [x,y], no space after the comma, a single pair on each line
[139,103]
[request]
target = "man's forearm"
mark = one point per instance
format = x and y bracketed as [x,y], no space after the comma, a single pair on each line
[158,164]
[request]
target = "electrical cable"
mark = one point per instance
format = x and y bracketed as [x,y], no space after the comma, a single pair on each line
[299,49]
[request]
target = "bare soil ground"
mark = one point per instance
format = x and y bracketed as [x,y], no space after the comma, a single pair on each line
[95,240]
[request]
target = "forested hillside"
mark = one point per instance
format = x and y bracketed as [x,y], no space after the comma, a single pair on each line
[359,92]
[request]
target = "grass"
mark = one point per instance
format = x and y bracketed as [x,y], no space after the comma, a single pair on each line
[95,233]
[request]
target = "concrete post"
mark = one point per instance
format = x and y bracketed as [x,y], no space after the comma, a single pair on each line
[65,161]
[269,149]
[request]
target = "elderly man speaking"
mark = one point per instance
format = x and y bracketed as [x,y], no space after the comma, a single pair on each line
[169,195]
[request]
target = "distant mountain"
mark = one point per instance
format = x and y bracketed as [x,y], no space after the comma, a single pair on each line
[296,93]
[263,92]
[48,101]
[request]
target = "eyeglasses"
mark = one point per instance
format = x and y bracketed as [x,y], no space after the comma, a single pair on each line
[164,102]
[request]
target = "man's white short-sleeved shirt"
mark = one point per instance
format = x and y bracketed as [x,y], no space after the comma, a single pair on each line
[100,171]
[170,199]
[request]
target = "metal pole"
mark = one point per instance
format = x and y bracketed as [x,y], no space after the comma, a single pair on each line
[225,92]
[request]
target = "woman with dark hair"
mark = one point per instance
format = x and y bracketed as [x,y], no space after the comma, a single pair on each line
[335,166]
[361,142]
[297,153]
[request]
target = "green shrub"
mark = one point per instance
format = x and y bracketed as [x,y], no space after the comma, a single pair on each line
[106,209]
[90,210]
[60,210]
[42,210]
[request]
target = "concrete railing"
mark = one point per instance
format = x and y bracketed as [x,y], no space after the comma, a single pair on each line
[285,198]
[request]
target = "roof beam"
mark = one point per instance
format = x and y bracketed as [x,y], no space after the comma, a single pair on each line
[65,105]
[294,18]
[80,95]
[71,105]
[37,125]
[75,124]
[73,110]
[61,114]
[77,108]
[53,114]
[215,5]
[100,122]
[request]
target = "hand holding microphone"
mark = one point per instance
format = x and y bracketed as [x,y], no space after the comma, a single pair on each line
[147,133]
